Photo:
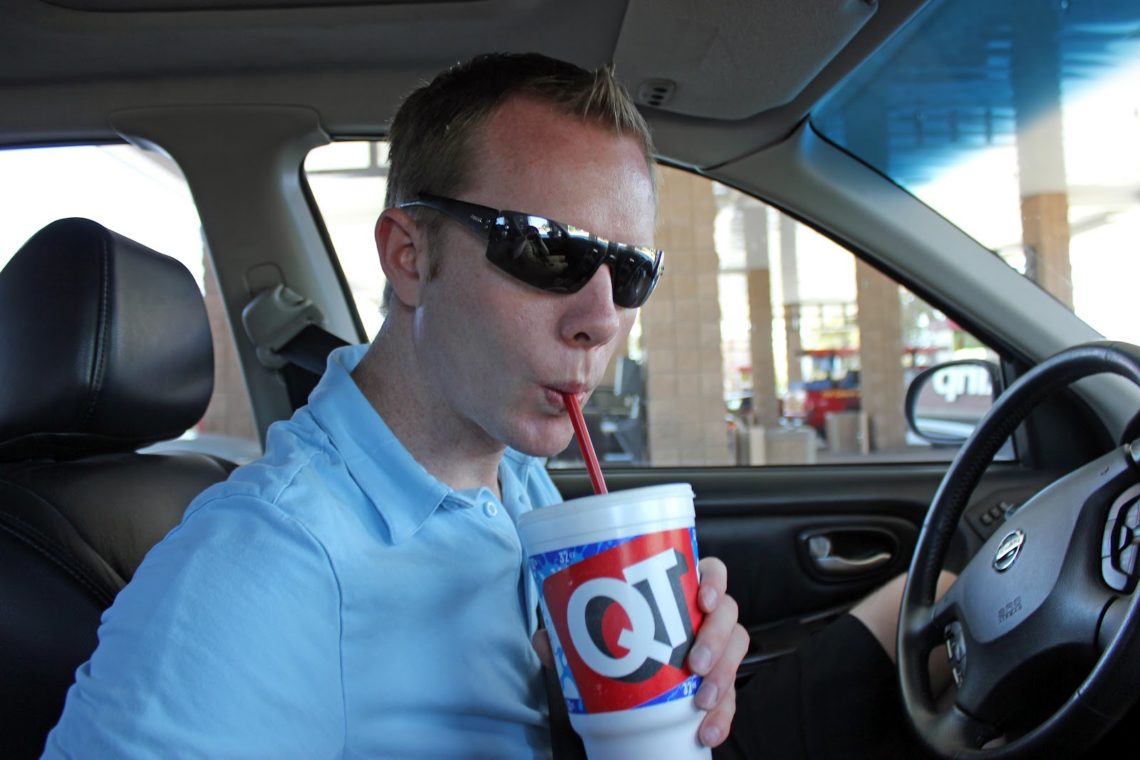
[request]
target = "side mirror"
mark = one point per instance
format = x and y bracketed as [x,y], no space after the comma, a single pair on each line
[944,403]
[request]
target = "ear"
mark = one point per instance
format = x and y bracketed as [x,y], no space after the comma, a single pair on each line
[402,247]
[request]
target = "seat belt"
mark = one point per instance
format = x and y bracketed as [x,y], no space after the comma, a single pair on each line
[565,744]
[309,350]
[306,356]
[285,328]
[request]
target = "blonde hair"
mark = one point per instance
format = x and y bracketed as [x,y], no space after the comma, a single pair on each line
[430,138]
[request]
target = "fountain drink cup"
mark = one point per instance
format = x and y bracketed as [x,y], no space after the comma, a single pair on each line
[617,574]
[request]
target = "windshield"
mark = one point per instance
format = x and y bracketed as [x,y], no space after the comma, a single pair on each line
[1020,123]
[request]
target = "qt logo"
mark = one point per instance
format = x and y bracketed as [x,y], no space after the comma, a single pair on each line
[625,618]
[650,598]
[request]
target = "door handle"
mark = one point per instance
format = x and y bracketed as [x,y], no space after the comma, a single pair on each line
[821,550]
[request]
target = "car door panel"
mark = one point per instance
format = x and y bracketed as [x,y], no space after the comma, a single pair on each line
[761,522]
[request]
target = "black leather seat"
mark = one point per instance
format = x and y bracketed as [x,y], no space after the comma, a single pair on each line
[104,348]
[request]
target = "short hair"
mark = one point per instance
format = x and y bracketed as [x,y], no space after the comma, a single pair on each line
[432,137]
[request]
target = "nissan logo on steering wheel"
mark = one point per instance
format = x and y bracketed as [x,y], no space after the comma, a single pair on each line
[1009,550]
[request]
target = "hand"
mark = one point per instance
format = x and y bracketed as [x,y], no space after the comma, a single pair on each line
[716,654]
[541,643]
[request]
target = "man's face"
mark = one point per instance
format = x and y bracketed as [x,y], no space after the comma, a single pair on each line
[498,352]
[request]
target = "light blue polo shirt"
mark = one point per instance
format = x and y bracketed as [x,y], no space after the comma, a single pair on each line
[331,599]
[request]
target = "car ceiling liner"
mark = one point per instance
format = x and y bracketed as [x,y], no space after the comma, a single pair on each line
[715,60]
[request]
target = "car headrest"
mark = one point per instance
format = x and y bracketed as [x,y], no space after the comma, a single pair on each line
[104,345]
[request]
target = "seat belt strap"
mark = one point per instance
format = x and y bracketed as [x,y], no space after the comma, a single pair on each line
[306,356]
[565,744]
[310,349]
[284,327]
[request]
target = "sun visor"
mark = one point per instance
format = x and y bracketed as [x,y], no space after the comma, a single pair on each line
[730,59]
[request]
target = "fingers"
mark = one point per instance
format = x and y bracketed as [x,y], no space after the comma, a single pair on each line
[541,643]
[720,646]
[713,636]
[720,616]
[716,725]
[717,693]
[719,679]
[714,583]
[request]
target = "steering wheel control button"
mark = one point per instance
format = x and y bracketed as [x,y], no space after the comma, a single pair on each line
[1113,578]
[1132,516]
[1118,565]
[995,514]
[1119,544]
[956,651]
[1009,550]
[1125,555]
[1124,505]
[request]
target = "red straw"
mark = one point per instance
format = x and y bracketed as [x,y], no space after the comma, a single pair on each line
[584,443]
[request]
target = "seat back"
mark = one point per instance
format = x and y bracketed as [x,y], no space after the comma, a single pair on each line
[105,348]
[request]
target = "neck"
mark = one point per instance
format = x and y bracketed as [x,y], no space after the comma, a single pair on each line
[454,450]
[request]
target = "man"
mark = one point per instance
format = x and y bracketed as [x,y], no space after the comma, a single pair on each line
[360,590]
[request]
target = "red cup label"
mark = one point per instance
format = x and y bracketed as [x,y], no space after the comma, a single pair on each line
[623,614]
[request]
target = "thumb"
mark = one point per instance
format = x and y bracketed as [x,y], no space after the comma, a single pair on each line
[541,643]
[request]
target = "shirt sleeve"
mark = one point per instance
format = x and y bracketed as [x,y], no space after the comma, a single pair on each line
[225,644]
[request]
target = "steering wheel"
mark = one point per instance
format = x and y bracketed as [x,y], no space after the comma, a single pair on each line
[1043,621]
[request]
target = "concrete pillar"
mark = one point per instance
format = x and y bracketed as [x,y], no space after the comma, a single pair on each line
[681,332]
[1035,74]
[789,269]
[765,404]
[754,230]
[880,352]
[1045,234]
[880,313]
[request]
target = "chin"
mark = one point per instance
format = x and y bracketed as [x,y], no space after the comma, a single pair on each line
[544,440]
[539,450]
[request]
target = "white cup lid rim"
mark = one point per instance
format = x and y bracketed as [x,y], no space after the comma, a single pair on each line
[605,501]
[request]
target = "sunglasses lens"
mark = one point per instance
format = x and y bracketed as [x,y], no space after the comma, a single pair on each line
[635,275]
[543,253]
[547,255]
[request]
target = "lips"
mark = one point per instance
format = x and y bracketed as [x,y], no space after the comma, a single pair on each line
[556,392]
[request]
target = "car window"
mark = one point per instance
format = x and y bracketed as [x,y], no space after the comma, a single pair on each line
[143,196]
[765,342]
[348,181]
[1018,123]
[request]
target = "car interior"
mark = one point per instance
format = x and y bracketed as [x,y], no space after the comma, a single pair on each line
[130,382]
[115,354]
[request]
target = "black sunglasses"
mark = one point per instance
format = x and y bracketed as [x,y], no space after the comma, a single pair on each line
[550,255]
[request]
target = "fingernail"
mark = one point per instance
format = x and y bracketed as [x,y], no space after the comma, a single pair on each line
[700,659]
[706,695]
[710,736]
[708,597]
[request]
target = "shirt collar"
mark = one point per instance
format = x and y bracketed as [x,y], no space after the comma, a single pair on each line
[401,490]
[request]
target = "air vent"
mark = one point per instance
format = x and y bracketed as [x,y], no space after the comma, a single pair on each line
[656,92]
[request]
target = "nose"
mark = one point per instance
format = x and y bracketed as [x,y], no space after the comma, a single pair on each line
[591,318]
